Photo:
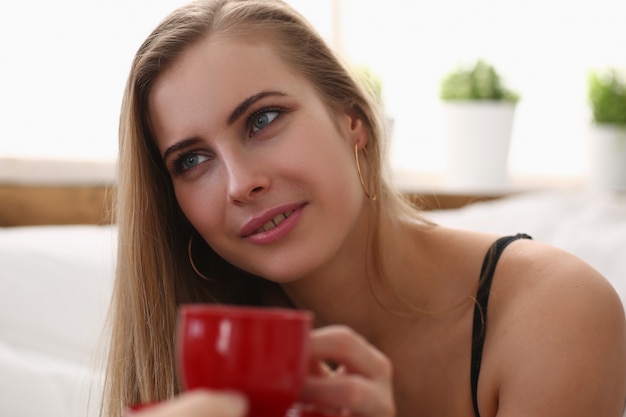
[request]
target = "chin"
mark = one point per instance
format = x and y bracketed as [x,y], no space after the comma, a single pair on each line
[281,276]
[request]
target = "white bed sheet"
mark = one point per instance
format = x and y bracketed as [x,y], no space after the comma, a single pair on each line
[55,285]
[591,225]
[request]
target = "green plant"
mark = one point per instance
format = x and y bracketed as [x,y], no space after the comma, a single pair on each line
[478,82]
[371,81]
[606,91]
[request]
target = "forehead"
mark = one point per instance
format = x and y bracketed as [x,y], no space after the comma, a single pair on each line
[223,67]
[213,76]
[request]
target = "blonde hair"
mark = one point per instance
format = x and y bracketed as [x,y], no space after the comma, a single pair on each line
[153,274]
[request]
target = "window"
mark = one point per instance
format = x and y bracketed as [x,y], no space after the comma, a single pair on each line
[543,48]
[65,64]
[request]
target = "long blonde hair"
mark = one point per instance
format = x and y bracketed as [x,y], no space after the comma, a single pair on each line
[153,274]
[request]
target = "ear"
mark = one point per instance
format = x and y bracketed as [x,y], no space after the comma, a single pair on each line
[357,132]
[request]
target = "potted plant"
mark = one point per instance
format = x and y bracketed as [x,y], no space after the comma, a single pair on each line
[606,89]
[373,84]
[478,114]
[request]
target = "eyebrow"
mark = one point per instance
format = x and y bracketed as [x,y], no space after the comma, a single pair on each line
[234,115]
[180,145]
[243,106]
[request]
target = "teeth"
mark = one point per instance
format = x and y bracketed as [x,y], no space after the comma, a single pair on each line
[274,222]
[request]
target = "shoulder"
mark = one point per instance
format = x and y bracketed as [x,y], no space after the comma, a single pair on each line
[556,335]
[553,278]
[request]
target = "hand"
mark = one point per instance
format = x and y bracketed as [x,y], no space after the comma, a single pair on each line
[197,403]
[361,384]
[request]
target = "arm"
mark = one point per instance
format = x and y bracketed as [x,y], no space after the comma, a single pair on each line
[559,341]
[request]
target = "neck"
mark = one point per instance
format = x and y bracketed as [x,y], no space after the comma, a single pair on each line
[353,292]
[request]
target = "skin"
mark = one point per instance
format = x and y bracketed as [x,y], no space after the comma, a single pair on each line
[244,175]
[556,344]
[198,403]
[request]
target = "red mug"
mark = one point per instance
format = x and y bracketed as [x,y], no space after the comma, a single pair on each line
[261,352]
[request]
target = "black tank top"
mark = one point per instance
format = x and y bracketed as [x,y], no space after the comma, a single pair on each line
[480,310]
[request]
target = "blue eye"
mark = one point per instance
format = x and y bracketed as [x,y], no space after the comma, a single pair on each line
[262,119]
[189,161]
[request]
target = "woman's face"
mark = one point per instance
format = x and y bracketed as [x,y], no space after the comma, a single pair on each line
[261,168]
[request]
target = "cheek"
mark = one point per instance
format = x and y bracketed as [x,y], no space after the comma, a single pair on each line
[199,207]
[335,162]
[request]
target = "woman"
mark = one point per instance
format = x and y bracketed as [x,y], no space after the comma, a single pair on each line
[251,173]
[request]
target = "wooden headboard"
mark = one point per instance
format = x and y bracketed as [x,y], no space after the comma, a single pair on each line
[26,205]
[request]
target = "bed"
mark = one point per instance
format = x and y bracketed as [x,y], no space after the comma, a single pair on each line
[55,284]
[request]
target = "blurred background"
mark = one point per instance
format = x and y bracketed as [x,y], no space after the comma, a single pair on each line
[64,65]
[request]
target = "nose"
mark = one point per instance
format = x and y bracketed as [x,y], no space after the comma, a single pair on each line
[246,179]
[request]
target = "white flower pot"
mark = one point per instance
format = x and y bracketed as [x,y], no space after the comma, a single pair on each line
[607,157]
[477,138]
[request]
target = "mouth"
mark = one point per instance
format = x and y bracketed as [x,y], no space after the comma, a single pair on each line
[275,221]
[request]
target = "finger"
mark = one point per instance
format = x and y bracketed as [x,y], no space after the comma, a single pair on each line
[349,392]
[199,403]
[320,368]
[347,348]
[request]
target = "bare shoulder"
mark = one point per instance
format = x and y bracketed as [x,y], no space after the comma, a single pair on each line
[530,266]
[556,341]
[534,275]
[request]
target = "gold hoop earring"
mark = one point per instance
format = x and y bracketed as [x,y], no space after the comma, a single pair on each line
[193,265]
[358,168]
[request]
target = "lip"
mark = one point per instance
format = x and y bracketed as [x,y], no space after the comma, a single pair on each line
[248,229]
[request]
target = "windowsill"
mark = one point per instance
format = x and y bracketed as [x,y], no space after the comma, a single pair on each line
[434,183]
[68,172]
[22,171]
[46,191]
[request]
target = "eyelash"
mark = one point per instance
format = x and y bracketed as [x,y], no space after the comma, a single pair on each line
[178,164]
[254,115]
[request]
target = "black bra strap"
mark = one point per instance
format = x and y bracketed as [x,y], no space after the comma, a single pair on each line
[480,309]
